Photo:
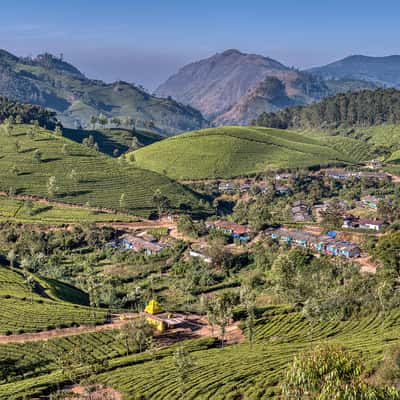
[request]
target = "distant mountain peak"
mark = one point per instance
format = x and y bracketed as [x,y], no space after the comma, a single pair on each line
[216,84]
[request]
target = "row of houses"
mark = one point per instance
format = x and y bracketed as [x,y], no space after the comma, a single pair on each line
[236,231]
[323,244]
[340,174]
[228,187]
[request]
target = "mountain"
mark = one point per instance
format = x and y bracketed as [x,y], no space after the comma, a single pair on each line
[226,86]
[53,83]
[246,150]
[383,71]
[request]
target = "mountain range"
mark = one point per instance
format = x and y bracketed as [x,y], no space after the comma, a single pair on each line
[234,87]
[51,82]
[228,88]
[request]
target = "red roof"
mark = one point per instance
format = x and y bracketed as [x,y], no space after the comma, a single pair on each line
[235,228]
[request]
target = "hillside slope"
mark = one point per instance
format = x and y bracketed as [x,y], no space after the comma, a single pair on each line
[235,151]
[53,83]
[216,84]
[82,175]
[384,71]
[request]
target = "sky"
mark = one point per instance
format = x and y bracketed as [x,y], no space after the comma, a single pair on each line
[144,42]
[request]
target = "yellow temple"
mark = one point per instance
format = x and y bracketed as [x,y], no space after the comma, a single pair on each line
[151,310]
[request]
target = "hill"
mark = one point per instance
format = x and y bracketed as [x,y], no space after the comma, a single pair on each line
[28,158]
[55,84]
[216,84]
[383,71]
[236,151]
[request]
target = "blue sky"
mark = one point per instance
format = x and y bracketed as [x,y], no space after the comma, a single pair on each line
[146,41]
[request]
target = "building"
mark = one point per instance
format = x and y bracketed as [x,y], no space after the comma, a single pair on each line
[374,164]
[199,254]
[226,187]
[375,225]
[237,231]
[138,245]
[370,202]
[245,187]
[160,320]
[323,244]
[301,212]
[282,190]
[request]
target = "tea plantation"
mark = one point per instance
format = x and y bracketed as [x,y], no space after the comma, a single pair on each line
[33,307]
[82,175]
[230,373]
[236,151]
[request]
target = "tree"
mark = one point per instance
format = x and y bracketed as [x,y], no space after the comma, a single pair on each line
[183,365]
[93,121]
[65,149]
[52,187]
[122,201]
[222,313]
[17,145]
[37,155]
[248,300]
[328,373]
[332,218]
[12,258]
[161,202]
[135,143]
[103,120]
[388,249]
[58,131]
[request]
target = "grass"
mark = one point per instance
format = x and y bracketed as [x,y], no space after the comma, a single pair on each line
[218,374]
[100,180]
[236,151]
[16,210]
[45,307]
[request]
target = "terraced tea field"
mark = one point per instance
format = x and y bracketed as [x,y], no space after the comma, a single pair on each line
[83,175]
[219,374]
[236,151]
[12,209]
[30,310]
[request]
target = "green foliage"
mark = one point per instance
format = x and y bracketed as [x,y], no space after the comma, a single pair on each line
[364,108]
[328,373]
[101,181]
[236,151]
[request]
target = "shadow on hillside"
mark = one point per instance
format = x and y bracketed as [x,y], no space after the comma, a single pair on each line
[48,160]
[25,173]
[75,193]
[27,150]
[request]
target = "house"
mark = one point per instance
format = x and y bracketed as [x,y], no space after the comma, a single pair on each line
[226,187]
[370,202]
[245,187]
[300,212]
[375,225]
[138,245]
[350,221]
[282,177]
[341,174]
[237,231]
[374,164]
[282,190]
[323,244]
[199,254]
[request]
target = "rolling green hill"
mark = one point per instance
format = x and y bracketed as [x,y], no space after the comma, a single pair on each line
[236,151]
[82,175]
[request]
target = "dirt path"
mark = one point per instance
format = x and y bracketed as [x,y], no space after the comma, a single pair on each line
[116,323]
[98,392]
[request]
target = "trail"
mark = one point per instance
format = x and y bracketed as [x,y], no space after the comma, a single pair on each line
[116,323]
